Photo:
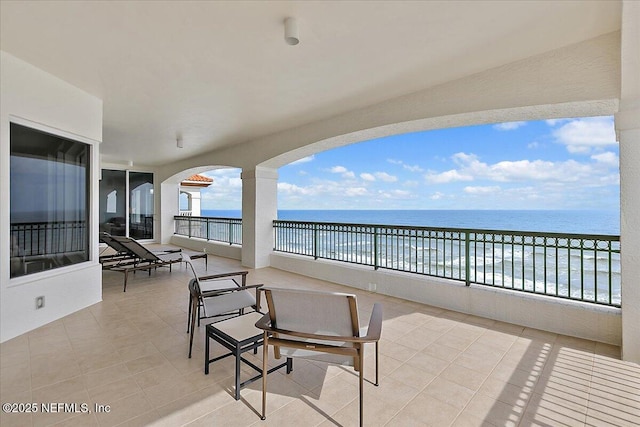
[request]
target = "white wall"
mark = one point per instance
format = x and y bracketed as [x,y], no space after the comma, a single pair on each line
[213,248]
[572,318]
[38,98]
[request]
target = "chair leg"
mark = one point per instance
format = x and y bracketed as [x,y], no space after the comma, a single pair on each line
[193,324]
[189,314]
[265,356]
[361,380]
[377,382]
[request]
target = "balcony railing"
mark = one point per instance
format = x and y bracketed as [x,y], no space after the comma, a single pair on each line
[573,266]
[49,238]
[226,230]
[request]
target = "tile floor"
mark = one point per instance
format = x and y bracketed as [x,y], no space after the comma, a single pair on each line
[438,368]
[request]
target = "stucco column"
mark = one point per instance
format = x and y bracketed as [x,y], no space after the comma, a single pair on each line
[630,237]
[259,209]
[628,132]
[167,206]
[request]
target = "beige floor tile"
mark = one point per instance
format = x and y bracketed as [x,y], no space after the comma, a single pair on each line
[437,367]
[449,392]
[428,363]
[463,376]
[413,377]
[107,393]
[432,412]
[467,419]
[124,409]
[494,411]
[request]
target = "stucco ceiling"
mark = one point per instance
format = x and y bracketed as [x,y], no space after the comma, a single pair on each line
[219,73]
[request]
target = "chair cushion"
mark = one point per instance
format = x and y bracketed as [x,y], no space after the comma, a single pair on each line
[228,302]
[213,285]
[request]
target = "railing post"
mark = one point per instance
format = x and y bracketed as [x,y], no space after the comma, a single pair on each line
[230,232]
[315,241]
[189,223]
[467,259]
[375,248]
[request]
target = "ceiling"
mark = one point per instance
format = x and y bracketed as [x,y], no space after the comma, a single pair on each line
[219,73]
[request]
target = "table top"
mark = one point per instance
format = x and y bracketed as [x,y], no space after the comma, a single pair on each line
[240,328]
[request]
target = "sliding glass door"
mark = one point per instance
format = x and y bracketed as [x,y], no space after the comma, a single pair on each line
[126,203]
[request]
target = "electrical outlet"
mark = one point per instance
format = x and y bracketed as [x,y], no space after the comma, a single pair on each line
[39,302]
[372,287]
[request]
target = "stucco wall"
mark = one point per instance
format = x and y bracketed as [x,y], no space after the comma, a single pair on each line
[213,248]
[577,319]
[40,99]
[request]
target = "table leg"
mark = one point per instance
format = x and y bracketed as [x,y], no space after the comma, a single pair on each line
[206,354]
[238,355]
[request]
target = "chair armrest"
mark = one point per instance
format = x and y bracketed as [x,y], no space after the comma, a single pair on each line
[221,275]
[227,290]
[375,324]
[264,323]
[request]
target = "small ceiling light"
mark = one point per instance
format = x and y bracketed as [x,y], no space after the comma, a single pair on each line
[291,31]
[179,142]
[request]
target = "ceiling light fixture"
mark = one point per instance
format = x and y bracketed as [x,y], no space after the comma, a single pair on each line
[179,142]
[291,31]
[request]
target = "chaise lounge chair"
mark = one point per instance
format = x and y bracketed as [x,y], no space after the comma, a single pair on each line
[146,259]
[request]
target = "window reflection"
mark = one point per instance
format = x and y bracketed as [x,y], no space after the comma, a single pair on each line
[49,201]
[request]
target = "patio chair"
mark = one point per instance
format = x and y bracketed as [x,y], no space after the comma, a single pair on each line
[217,295]
[122,253]
[144,258]
[320,326]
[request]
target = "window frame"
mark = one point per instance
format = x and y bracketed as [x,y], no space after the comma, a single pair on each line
[91,168]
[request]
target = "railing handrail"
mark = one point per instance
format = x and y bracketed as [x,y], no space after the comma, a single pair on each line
[607,237]
[182,217]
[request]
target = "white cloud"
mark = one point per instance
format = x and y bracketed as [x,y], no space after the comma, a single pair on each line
[414,168]
[346,173]
[448,176]
[607,158]
[437,196]
[303,160]
[509,125]
[397,194]
[410,168]
[356,191]
[482,190]
[470,168]
[582,136]
[383,176]
[367,177]
[533,145]
[292,189]
[553,122]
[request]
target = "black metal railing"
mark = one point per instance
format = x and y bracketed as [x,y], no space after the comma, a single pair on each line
[574,266]
[49,238]
[227,230]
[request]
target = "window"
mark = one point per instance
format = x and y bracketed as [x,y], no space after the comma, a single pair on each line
[113,203]
[49,199]
[141,205]
[126,203]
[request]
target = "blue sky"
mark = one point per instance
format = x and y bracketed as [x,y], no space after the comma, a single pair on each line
[549,164]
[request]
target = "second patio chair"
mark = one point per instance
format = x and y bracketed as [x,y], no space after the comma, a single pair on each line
[317,325]
[218,295]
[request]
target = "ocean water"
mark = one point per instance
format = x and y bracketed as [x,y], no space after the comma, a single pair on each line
[553,221]
[577,268]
